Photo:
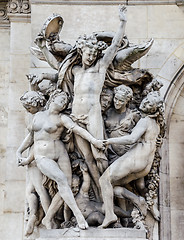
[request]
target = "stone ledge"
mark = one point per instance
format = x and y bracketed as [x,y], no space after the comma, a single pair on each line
[92,233]
[102,238]
[109,2]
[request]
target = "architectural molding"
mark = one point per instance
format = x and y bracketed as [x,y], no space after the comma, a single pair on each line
[18,7]
[4,21]
[19,17]
[171,96]
[109,2]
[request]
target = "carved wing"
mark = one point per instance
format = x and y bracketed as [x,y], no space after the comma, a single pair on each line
[38,53]
[127,56]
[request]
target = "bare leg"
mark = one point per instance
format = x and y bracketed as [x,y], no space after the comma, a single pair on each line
[33,208]
[140,183]
[98,132]
[108,195]
[55,205]
[57,201]
[121,202]
[50,169]
[85,150]
[67,213]
[138,201]
[36,178]
[121,213]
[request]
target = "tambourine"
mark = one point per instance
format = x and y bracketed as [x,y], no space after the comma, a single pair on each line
[52,25]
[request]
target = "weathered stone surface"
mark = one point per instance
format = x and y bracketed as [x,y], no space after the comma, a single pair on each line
[164,23]
[93,233]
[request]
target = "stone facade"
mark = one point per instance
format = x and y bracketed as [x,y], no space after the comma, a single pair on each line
[165,60]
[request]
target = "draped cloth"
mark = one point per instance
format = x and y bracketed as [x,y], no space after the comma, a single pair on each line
[113,78]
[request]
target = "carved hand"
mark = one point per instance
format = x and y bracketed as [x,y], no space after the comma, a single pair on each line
[122,13]
[23,162]
[106,142]
[40,41]
[35,80]
[99,144]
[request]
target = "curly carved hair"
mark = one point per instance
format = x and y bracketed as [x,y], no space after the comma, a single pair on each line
[158,107]
[91,42]
[33,98]
[56,93]
[124,91]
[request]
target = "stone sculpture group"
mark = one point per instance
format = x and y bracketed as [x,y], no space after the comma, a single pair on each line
[96,127]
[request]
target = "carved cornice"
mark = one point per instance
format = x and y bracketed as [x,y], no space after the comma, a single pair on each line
[108,2]
[18,7]
[4,21]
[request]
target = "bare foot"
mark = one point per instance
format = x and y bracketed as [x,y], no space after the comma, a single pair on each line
[108,220]
[141,205]
[49,224]
[30,225]
[82,224]
[154,211]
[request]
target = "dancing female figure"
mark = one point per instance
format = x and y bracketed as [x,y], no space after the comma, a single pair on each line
[47,128]
[134,164]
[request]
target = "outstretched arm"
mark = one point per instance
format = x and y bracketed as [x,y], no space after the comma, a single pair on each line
[136,134]
[116,42]
[41,43]
[69,124]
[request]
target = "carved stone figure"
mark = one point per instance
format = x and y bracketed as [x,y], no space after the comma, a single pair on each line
[134,164]
[33,103]
[97,139]
[120,120]
[49,152]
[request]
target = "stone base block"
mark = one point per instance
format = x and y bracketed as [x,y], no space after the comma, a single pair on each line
[92,234]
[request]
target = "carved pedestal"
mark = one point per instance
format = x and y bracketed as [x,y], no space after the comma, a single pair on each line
[92,234]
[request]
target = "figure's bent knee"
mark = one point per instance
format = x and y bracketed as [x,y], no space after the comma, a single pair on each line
[104,178]
[118,191]
[62,181]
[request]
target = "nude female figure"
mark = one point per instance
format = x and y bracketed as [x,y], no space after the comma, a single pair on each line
[33,103]
[48,149]
[134,164]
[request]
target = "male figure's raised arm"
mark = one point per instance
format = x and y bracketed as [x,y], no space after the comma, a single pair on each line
[117,40]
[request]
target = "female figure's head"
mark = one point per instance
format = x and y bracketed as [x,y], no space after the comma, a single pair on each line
[151,103]
[123,94]
[33,101]
[89,48]
[57,101]
[106,99]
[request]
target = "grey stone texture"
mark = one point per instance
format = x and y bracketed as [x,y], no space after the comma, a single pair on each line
[165,60]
